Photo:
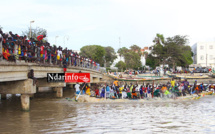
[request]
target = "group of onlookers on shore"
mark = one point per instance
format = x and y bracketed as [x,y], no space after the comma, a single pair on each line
[15,47]
[122,90]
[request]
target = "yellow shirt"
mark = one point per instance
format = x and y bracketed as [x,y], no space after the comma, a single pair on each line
[173,83]
[88,91]
[120,90]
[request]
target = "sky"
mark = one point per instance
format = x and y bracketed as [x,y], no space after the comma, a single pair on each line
[76,23]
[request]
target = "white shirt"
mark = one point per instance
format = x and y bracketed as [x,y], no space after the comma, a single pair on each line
[77,87]
[59,52]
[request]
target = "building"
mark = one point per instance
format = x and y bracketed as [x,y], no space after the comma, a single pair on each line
[119,58]
[144,55]
[204,54]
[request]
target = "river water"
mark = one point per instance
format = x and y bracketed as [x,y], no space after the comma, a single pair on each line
[50,115]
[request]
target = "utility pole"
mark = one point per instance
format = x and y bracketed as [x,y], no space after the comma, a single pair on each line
[30,26]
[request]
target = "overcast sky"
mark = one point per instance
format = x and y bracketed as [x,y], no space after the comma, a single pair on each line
[102,22]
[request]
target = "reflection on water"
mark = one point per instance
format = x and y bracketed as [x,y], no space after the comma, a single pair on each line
[51,115]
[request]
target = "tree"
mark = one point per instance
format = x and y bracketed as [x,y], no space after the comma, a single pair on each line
[131,56]
[110,55]
[179,53]
[151,61]
[132,60]
[35,32]
[159,49]
[145,54]
[122,51]
[95,52]
[121,65]
[172,51]
[136,49]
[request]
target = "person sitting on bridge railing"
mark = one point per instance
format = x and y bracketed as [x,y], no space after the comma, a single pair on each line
[31,76]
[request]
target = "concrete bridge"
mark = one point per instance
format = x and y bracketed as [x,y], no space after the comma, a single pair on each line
[14,79]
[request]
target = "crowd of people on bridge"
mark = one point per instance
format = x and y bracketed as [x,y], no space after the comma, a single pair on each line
[15,47]
[122,90]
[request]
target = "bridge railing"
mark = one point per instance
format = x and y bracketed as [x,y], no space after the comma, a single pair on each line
[51,62]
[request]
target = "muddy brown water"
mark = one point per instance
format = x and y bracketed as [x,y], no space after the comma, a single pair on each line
[49,115]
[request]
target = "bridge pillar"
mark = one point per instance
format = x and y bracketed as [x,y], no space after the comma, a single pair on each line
[59,92]
[23,87]
[3,96]
[25,101]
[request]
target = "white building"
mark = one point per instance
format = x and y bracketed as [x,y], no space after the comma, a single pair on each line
[204,54]
[145,50]
[119,58]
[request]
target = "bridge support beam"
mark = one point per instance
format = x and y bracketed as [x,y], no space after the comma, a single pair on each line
[23,87]
[57,87]
[25,101]
[95,80]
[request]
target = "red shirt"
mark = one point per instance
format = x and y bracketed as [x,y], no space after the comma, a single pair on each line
[41,49]
[97,91]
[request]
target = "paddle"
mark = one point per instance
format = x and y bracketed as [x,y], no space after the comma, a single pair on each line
[105,90]
[153,89]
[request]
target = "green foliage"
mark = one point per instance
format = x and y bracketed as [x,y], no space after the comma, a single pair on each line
[151,61]
[132,60]
[136,49]
[110,55]
[131,56]
[35,32]
[172,51]
[121,65]
[98,53]
[122,51]
[179,52]
[95,52]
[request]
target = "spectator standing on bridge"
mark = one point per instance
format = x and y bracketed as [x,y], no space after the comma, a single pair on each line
[64,66]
